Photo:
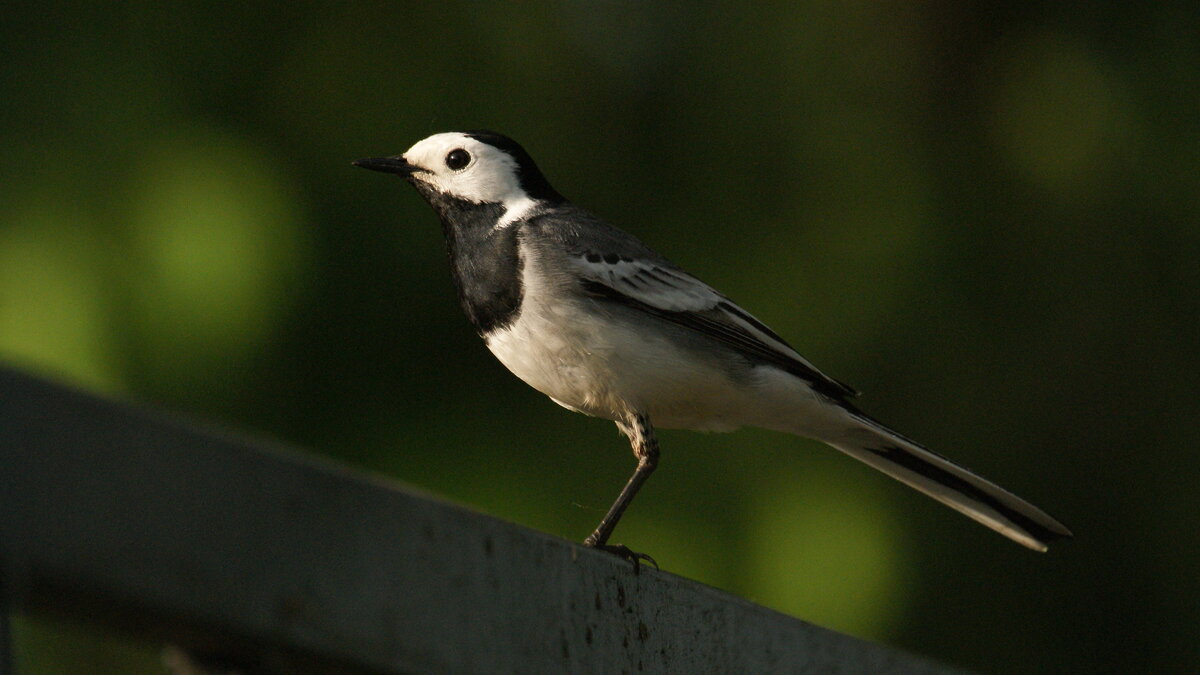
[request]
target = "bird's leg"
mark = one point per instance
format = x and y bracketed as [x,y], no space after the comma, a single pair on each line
[645,448]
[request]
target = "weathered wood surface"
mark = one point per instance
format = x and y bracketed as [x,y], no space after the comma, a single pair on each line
[118,515]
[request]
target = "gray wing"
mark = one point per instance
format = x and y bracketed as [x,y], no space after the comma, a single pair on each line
[617,267]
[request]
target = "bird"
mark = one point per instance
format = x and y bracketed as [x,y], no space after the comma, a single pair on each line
[593,318]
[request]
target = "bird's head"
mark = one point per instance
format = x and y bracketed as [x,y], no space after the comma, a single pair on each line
[479,167]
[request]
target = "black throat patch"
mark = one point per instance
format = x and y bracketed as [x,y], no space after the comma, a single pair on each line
[484,261]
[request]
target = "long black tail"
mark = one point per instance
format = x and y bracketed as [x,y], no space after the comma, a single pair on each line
[949,483]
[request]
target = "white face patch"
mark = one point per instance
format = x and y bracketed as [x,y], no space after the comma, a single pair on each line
[490,175]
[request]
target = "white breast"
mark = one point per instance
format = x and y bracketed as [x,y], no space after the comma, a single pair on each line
[611,365]
[558,348]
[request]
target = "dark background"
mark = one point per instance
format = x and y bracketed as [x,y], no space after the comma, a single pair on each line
[983,215]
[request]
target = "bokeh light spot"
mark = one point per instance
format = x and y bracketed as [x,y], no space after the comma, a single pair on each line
[53,310]
[825,547]
[1057,112]
[219,246]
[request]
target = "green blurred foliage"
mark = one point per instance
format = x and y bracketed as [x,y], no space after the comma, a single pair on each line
[985,215]
[45,645]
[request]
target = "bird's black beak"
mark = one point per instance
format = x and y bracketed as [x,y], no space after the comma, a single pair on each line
[395,165]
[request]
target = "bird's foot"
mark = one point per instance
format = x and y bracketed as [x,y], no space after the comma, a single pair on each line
[623,551]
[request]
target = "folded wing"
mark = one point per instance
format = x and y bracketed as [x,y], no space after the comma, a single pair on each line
[659,288]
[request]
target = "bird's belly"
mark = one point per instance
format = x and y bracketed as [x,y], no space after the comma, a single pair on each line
[609,366]
[555,362]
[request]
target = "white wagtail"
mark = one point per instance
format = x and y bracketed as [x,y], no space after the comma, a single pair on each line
[594,319]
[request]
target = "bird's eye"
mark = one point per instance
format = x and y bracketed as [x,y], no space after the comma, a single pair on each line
[457,159]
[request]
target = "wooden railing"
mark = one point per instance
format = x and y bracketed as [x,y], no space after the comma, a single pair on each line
[280,561]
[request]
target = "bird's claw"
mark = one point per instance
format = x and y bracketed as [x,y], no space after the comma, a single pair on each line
[623,551]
